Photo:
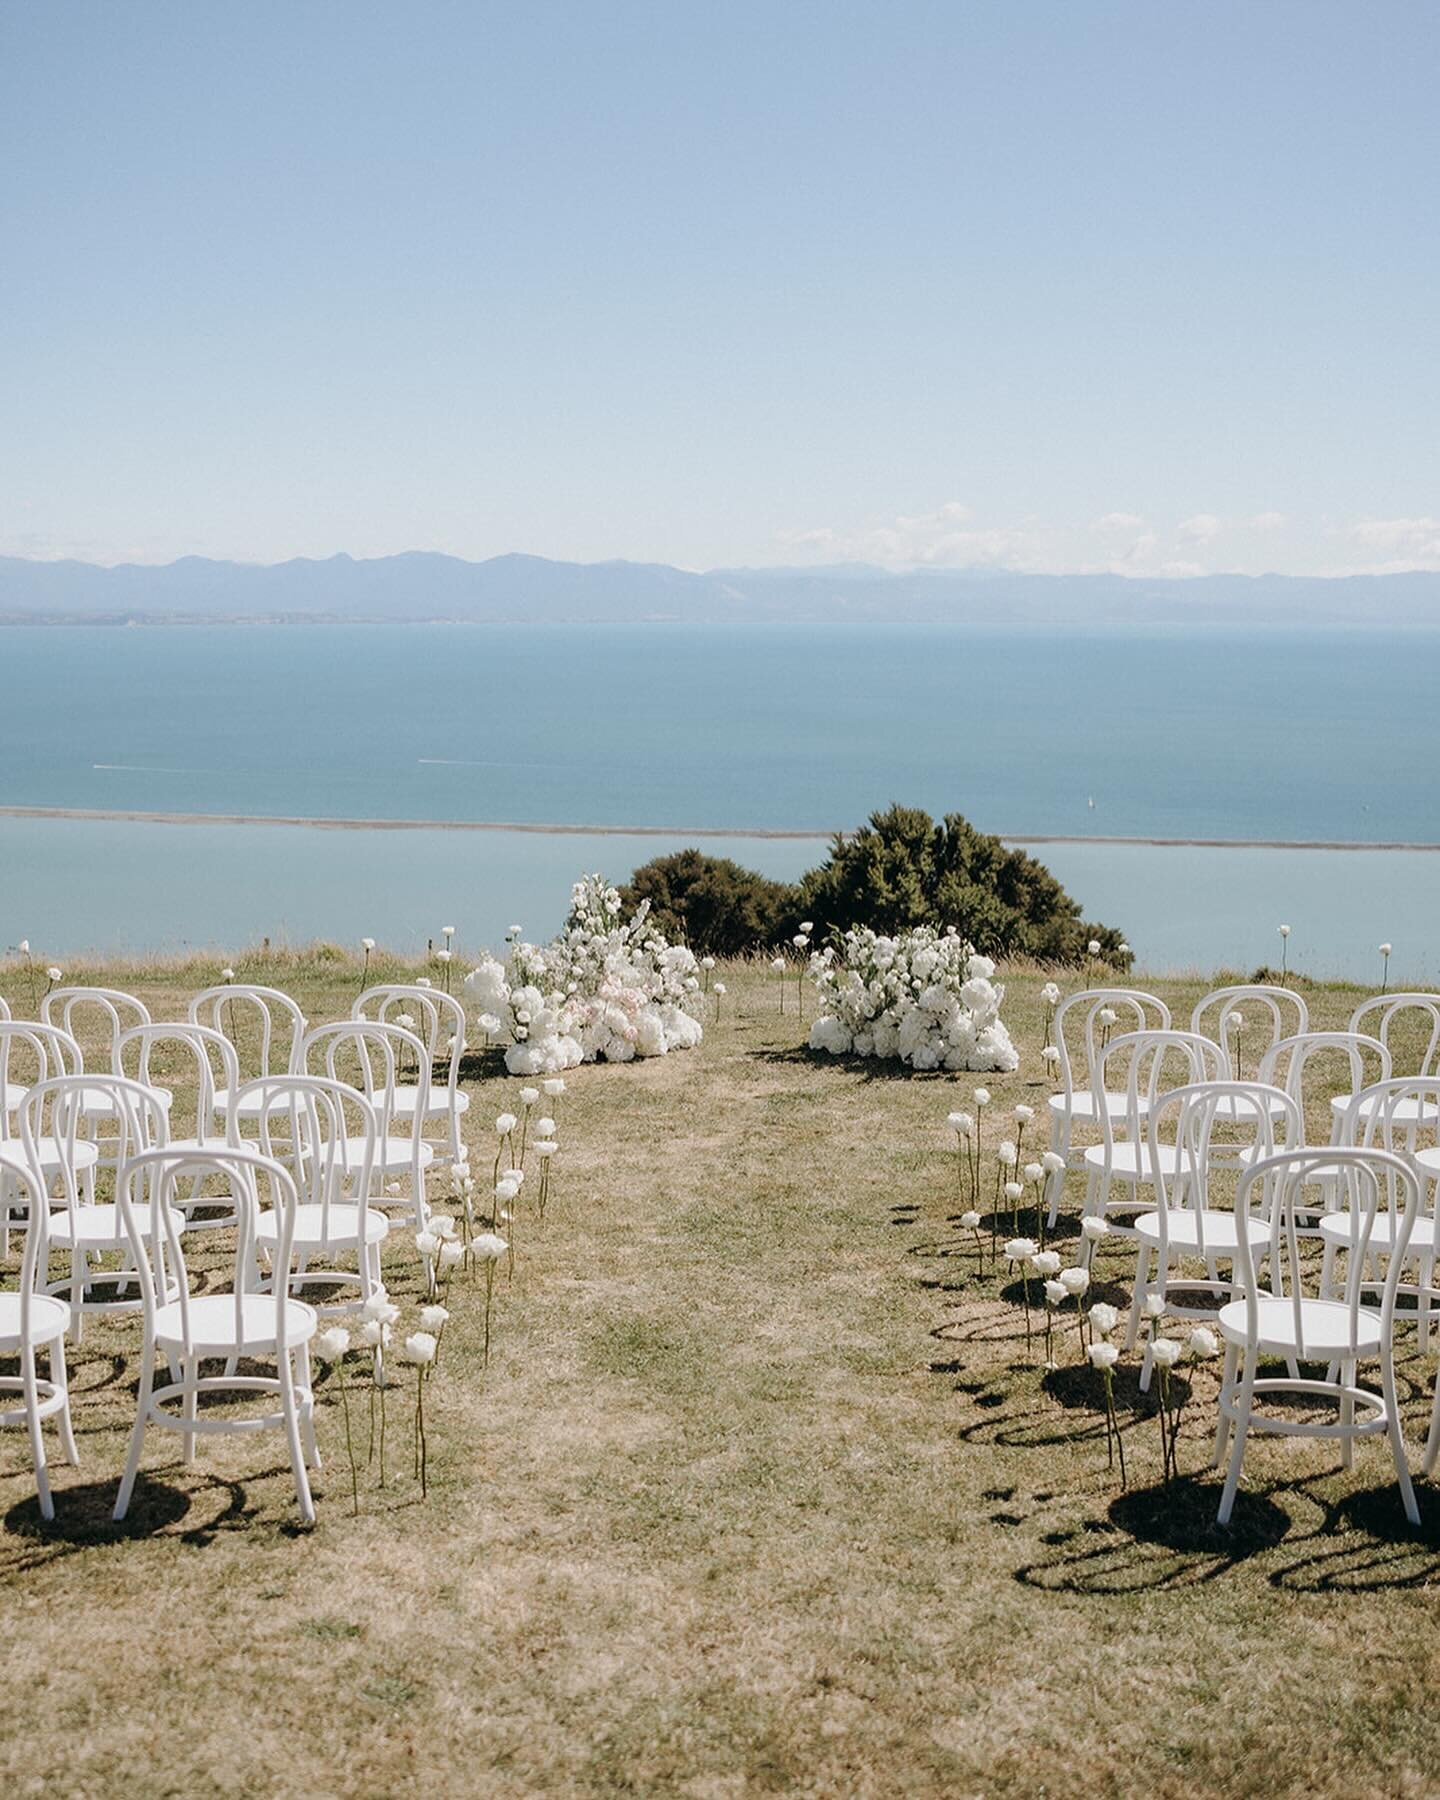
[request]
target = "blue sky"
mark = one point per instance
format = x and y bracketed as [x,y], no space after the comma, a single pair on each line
[1043,285]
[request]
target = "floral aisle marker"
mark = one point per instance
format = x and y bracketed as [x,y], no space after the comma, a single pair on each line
[604,989]
[923,998]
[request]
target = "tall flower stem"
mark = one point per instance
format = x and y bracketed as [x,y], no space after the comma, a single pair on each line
[489,1298]
[349,1441]
[1112,1424]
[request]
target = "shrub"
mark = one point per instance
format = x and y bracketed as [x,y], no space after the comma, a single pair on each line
[713,904]
[903,870]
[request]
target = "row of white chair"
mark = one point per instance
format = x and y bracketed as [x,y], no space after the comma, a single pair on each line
[268,1031]
[259,1318]
[1171,1116]
[332,1135]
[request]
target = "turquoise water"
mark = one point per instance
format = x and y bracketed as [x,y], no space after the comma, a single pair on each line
[777,727]
[73,885]
[1172,736]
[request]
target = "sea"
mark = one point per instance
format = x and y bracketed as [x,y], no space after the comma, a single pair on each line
[767,738]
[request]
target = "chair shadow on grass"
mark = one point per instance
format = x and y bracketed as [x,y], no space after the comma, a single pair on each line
[158,1505]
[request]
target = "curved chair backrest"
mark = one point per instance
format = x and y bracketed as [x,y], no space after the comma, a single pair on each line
[1305,1065]
[26,1042]
[265,1026]
[147,1193]
[1267,1015]
[107,1008]
[1202,1120]
[4,1009]
[368,1055]
[1143,1065]
[56,1111]
[1409,1018]
[323,1131]
[1080,1016]
[1395,1115]
[201,1053]
[437,1019]
[1373,1184]
[21,1182]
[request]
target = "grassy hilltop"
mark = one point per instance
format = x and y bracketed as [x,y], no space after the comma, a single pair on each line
[760,1493]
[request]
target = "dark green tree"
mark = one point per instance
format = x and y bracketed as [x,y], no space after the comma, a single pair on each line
[713,904]
[902,869]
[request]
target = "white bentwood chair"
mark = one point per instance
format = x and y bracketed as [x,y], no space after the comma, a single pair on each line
[1201,1122]
[264,1025]
[33,1321]
[1090,1019]
[368,1056]
[39,1053]
[1276,1317]
[439,1021]
[1135,1069]
[113,1013]
[52,1127]
[258,1324]
[327,1135]
[1397,1021]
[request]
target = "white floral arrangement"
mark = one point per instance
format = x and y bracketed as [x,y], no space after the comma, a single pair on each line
[922,996]
[604,988]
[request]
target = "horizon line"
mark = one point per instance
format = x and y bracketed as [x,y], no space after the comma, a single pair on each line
[758,832]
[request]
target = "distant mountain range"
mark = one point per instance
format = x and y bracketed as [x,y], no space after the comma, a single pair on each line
[423,586]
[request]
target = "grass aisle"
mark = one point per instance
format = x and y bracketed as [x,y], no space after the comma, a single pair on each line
[759,1494]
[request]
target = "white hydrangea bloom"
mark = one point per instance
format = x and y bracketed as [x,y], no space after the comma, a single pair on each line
[923,997]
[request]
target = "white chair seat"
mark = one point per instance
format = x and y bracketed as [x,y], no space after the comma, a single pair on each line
[1429,1161]
[210,1145]
[11,1096]
[1222,1235]
[391,1154]
[1405,1112]
[408,1098]
[1320,1175]
[1082,1105]
[95,1103]
[1325,1325]
[52,1158]
[94,1228]
[49,1320]
[1339,1229]
[346,1227]
[213,1325]
[1133,1162]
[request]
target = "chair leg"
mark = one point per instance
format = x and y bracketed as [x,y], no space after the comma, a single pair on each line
[60,1378]
[1222,1423]
[137,1436]
[79,1269]
[307,1409]
[1395,1432]
[292,1433]
[1242,1427]
[1432,1440]
[1347,1414]
[1137,1298]
[31,1399]
[190,1400]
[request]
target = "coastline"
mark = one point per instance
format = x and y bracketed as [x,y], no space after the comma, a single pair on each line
[761,832]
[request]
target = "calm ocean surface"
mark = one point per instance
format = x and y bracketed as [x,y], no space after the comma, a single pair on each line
[773,727]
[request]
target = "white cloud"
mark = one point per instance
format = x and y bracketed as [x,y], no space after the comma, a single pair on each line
[1118,521]
[944,538]
[1419,535]
[1200,529]
[1268,521]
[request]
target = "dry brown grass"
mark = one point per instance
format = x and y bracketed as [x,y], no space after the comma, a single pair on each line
[760,1493]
